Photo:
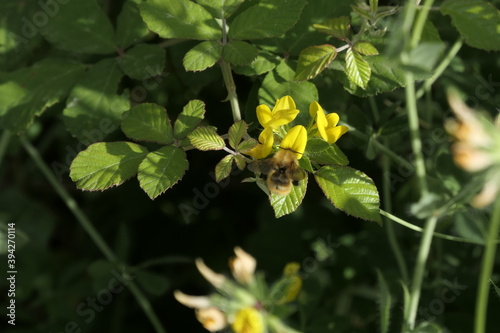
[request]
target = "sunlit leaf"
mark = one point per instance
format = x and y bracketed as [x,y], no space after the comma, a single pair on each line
[313,59]
[148,122]
[206,138]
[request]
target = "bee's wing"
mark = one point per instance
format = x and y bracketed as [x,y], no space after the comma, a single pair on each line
[261,166]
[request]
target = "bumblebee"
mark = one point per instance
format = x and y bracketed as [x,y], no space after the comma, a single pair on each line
[281,171]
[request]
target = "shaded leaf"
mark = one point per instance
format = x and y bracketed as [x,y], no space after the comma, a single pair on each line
[237,52]
[286,204]
[338,27]
[143,61]
[148,122]
[179,19]
[263,63]
[269,18]
[162,169]
[385,302]
[221,8]
[202,56]
[130,28]
[350,190]
[106,164]
[477,21]
[94,109]
[322,152]
[236,133]
[153,283]
[28,92]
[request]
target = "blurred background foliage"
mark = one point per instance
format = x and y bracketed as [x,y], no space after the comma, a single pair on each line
[60,268]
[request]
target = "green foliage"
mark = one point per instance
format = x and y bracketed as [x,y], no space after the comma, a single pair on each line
[202,56]
[286,204]
[147,122]
[313,60]
[143,61]
[206,138]
[385,303]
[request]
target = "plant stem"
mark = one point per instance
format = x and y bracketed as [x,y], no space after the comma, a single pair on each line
[418,274]
[486,270]
[231,90]
[389,227]
[89,228]
[4,143]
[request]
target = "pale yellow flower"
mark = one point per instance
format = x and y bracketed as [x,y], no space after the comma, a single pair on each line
[211,318]
[243,266]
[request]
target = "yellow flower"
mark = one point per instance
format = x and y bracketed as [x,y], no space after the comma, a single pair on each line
[248,320]
[243,266]
[266,141]
[295,140]
[327,125]
[284,111]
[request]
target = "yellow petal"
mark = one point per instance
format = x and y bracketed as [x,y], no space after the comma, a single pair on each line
[217,280]
[283,117]
[332,119]
[211,318]
[243,266]
[195,302]
[295,140]
[284,103]
[265,146]
[248,320]
[316,111]
[264,115]
[333,134]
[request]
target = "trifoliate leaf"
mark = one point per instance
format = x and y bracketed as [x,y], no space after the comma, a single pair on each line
[350,190]
[313,60]
[162,169]
[148,122]
[106,164]
[206,138]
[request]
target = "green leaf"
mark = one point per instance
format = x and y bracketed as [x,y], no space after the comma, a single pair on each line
[477,21]
[246,145]
[148,122]
[237,52]
[286,204]
[94,109]
[28,92]
[322,152]
[425,56]
[358,70]
[269,18]
[240,162]
[280,82]
[106,164]
[351,191]
[365,48]
[143,61]
[338,27]
[81,27]
[427,327]
[162,169]
[305,164]
[221,8]
[206,138]
[385,302]
[236,133]
[406,301]
[153,283]
[179,19]
[264,63]
[130,28]
[313,60]
[202,56]
[192,114]
[223,168]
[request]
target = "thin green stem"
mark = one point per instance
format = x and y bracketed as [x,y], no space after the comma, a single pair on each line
[420,23]
[389,227]
[486,270]
[441,67]
[418,274]
[231,90]
[92,232]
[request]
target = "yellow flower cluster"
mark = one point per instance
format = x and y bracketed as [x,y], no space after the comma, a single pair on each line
[238,305]
[283,113]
